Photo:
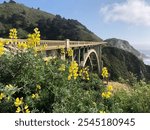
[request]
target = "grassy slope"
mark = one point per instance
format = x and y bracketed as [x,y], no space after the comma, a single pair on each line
[31,14]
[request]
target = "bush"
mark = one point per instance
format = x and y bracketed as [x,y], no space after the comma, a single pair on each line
[135,100]
[25,71]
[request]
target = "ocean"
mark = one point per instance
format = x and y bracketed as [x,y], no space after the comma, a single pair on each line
[147,53]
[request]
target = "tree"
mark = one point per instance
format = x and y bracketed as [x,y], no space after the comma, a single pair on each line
[12,1]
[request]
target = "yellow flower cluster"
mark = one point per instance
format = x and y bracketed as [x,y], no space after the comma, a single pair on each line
[2,95]
[10,87]
[9,91]
[73,70]
[20,106]
[70,52]
[24,109]
[43,47]
[18,101]
[35,96]
[62,51]
[105,72]
[38,87]
[46,59]
[34,39]
[22,45]
[2,50]
[101,111]
[83,73]
[109,88]
[108,93]
[62,67]
[13,33]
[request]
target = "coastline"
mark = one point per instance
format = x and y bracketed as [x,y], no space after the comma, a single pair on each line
[146,57]
[146,61]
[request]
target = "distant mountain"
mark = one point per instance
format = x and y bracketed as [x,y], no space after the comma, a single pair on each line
[121,63]
[13,15]
[124,45]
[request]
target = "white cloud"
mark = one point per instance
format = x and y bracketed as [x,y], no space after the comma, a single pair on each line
[131,11]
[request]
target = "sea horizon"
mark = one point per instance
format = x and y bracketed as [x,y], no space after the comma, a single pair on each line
[147,54]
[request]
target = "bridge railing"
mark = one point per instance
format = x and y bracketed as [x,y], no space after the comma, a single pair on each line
[57,44]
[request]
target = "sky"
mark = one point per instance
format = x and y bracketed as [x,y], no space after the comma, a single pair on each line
[123,19]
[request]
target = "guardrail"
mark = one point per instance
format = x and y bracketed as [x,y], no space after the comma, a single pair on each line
[57,44]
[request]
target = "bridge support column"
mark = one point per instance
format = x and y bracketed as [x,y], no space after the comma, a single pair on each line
[100,58]
[79,56]
[67,44]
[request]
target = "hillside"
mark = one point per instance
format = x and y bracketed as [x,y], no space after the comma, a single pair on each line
[120,63]
[124,45]
[13,15]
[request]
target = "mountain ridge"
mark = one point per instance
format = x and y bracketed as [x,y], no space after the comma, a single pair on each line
[25,19]
[124,45]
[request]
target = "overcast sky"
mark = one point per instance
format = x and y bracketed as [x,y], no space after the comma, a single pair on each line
[124,19]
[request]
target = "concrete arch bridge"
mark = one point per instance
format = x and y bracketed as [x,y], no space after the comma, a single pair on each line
[85,53]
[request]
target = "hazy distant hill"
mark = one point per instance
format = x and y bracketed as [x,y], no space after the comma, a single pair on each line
[52,27]
[124,45]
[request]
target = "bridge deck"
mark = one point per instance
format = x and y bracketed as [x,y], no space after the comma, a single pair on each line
[57,44]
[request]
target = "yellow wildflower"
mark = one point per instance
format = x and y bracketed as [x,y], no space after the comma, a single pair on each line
[83,73]
[18,102]
[22,45]
[38,87]
[13,33]
[35,96]
[8,98]
[10,87]
[43,47]
[62,51]
[27,111]
[70,52]
[2,50]
[69,77]
[105,72]
[2,95]
[46,59]
[34,39]
[62,67]
[101,111]
[26,107]
[18,110]
[73,70]
[106,95]
[109,88]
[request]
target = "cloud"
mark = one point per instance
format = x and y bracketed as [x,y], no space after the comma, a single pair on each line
[135,12]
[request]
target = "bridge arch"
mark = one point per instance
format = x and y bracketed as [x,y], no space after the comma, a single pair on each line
[89,56]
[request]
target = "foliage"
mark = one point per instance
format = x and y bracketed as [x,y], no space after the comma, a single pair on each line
[56,94]
[137,100]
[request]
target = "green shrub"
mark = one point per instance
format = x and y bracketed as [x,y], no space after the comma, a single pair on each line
[57,94]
